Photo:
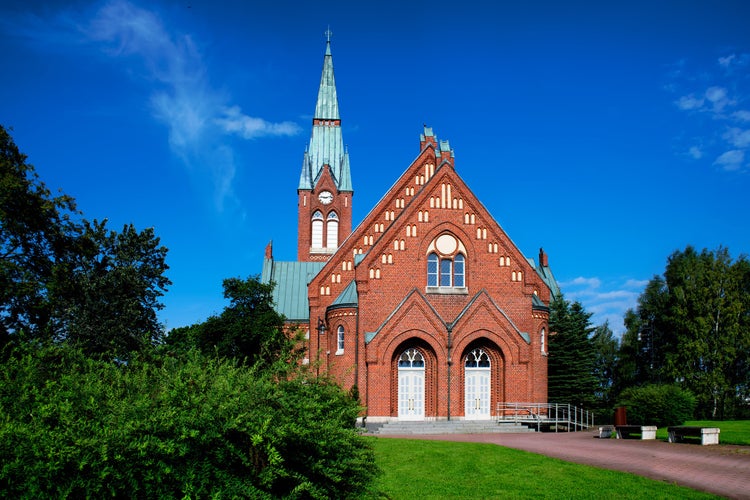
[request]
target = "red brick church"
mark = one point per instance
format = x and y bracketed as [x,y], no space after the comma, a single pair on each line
[426,306]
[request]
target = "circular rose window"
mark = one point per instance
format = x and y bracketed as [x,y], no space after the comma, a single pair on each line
[446,244]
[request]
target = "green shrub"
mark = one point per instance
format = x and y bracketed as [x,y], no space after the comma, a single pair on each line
[194,427]
[660,405]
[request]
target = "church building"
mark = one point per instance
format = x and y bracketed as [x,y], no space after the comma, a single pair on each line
[426,306]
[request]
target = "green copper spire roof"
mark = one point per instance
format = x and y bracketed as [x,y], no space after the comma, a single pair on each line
[326,142]
[327,107]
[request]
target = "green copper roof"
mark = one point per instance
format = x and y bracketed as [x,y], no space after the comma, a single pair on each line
[290,292]
[545,273]
[348,297]
[327,107]
[326,142]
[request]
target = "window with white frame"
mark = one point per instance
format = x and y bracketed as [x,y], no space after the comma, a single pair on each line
[446,264]
[332,230]
[317,229]
[340,340]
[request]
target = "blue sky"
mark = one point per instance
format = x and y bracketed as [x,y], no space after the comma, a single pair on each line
[609,133]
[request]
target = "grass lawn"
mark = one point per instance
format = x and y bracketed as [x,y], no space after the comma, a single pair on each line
[443,469]
[732,431]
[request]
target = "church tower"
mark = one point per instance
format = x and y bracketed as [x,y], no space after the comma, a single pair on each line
[324,204]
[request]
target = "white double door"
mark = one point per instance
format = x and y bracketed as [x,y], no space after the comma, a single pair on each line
[411,394]
[477,394]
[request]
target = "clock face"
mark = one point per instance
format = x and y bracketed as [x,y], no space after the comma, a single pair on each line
[325,197]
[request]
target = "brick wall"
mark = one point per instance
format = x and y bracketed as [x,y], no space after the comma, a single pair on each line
[492,312]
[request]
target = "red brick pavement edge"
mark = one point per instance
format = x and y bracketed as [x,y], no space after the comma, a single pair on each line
[719,469]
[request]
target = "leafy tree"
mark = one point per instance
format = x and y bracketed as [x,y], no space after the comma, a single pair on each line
[63,278]
[693,328]
[659,405]
[605,360]
[35,229]
[571,355]
[107,291]
[72,426]
[626,370]
[248,330]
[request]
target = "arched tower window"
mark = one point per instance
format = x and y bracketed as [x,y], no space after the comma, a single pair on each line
[340,340]
[543,340]
[332,230]
[317,229]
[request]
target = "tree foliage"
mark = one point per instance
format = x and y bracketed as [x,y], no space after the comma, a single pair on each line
[248,330]
[692,327]
[571,359]
[64,278]
[173,427]
[605,361]
[659,405]
[35,232]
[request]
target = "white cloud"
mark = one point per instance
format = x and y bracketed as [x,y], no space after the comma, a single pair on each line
[689,102]
[731,160]
[607,300]
[633,283]
[737,137]
[718,97]
[726,61]
[724,135]
[591,282]
[170,65]
[248,127]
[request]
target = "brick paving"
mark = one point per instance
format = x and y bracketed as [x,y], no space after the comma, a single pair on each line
[718,469]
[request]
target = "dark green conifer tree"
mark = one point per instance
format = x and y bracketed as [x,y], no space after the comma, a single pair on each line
[571,355]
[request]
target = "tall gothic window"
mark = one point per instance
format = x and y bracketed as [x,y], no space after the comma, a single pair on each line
[332,230]
[317,229]
[340,340]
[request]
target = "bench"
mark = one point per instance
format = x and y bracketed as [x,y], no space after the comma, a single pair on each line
[606,431]
[646,431]
[708,435]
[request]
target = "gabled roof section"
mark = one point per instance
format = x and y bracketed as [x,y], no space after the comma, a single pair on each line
[483,293]
[290,292]
[371,335]
[326,142]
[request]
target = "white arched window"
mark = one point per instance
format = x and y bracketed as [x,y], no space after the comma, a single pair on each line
[317,230]
[340,340]
[411,358]
[332,231]
[446,263]
[543,340]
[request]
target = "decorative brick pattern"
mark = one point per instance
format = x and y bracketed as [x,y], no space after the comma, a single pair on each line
[396,310]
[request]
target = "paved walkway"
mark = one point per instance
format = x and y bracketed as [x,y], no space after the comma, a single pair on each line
[719,469]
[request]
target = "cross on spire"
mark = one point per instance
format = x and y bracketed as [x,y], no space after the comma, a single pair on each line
[328,34]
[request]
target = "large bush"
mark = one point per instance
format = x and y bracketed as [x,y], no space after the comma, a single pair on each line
[660,405]
[195,427]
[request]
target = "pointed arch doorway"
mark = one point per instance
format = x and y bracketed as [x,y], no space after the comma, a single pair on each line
[477,371]
[411,385]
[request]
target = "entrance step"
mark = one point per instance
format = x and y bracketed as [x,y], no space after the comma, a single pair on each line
[447,427]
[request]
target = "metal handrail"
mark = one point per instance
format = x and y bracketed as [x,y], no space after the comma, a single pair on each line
[545,413]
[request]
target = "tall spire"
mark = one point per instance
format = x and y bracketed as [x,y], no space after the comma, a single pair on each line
[326,141]
[327,107]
